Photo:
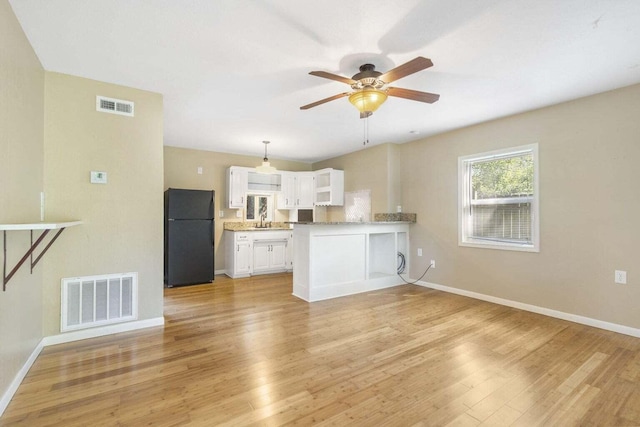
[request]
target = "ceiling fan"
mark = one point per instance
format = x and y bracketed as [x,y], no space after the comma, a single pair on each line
[370,87]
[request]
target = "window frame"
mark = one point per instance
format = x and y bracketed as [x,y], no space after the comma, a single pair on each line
[464,200]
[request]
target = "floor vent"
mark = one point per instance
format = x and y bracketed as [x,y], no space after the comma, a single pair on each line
[114,106]
[98,300]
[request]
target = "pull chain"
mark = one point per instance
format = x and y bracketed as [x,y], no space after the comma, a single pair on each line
[365,131]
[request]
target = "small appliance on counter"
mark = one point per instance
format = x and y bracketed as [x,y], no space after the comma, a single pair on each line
[305,215]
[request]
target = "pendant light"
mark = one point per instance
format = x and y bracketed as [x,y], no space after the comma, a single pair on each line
[266,167]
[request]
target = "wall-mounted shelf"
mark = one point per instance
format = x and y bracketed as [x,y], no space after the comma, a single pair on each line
[46,227]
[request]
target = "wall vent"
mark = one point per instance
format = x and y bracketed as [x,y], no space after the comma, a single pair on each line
[114,106]
[98,300]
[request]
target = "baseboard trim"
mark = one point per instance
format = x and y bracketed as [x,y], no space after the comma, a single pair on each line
[219,272]
[69,337]
[601,324]
[101,331]
[17,380]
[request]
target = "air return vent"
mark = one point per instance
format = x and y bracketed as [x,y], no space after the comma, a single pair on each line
[114,106]
[98,300]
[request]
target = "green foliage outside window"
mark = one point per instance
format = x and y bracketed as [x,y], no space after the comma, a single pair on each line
[507,177]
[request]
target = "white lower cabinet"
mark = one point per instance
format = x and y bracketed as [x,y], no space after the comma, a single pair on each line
[238,254]
[249,253]
[269,256]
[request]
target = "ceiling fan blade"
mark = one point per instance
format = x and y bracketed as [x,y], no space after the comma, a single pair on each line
[322,101]
[331,76]
[414,95]
[405,69]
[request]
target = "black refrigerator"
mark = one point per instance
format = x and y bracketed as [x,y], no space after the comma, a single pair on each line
[188,237]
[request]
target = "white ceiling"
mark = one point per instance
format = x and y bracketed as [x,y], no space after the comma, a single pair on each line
[235,72]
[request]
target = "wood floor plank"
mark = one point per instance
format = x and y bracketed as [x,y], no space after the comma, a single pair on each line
[246,352]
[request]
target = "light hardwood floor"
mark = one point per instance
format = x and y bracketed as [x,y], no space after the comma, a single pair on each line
[243,352]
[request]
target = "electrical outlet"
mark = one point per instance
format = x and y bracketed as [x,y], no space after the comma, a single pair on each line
[419,251]
[239,213]
[621,277]
[221,214]
[199,170]
[433,263]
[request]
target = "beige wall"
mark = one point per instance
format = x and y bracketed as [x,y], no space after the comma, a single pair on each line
[589,202]
[122,228]
[21,163]
[181,171]
[370,169]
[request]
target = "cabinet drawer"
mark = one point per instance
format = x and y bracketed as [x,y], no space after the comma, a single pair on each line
[242,237]
[263,236]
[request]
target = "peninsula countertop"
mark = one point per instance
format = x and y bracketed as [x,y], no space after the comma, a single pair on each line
[351,222]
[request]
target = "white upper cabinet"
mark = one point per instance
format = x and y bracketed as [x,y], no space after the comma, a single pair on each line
[305,186]
[287,197]
[298,190]
[329,187]
[237,181]
[294,190]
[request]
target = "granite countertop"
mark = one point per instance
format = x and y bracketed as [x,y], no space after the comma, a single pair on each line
[251,226]
[353,223]
[379,218]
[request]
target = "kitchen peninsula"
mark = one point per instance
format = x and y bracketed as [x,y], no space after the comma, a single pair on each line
[334,259]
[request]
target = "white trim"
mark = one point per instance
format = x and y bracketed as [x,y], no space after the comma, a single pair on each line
[490,244]
[588,321]
[219,272]
[463,188]
[101,331]
[69,337]
[17,380]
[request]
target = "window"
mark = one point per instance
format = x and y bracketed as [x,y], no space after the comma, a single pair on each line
[498,196]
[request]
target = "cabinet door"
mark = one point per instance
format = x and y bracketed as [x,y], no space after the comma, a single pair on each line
[278,256]
[243,258]
[261,257]
[289,253]
[287,196]
[305,190]
[237,187]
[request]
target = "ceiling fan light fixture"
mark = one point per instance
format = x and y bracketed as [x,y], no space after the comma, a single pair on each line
[265,167]
[368,99]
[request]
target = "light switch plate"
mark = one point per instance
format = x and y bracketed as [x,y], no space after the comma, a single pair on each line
[620,277]
[98,177]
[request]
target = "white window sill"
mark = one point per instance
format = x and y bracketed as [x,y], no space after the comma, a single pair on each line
[499,246]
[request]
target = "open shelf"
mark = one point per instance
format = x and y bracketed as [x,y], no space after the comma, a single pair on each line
[382,254]
[46,227]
